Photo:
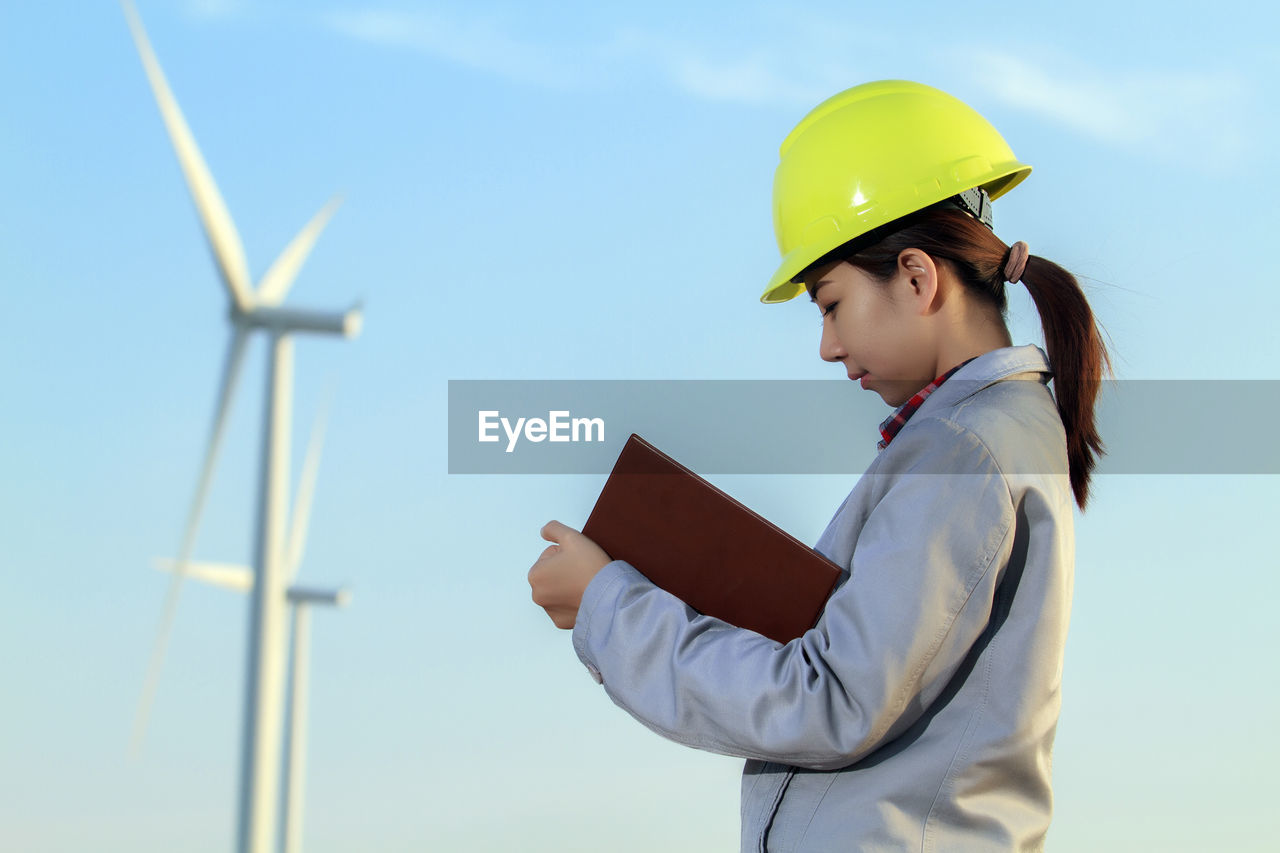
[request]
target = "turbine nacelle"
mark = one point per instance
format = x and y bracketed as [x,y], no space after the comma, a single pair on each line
[240,579]
[281,321]
[307,595]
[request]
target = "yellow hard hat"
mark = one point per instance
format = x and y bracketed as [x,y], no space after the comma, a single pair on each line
[873,154]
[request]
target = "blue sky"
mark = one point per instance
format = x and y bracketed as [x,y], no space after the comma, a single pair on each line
[568,191]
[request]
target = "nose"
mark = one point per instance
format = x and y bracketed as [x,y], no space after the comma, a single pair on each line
[830,348]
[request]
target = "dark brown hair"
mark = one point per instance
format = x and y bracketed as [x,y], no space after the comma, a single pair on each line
[978,257]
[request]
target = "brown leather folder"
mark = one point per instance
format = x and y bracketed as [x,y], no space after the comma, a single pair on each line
[701,545]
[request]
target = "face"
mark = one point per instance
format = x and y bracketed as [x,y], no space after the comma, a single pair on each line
[878,331]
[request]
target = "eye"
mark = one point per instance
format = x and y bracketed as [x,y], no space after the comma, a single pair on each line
[829,309]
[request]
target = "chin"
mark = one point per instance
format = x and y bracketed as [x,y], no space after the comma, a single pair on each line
[895,400]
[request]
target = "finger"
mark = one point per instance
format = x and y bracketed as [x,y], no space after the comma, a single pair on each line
[541,563]
[562,617]
[540,566]
[554,531]
[538,576]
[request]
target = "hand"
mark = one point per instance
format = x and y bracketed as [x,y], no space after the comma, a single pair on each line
[563,571]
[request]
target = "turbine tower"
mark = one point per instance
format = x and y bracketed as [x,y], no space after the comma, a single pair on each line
[301,598]
[250,310]
[295,761]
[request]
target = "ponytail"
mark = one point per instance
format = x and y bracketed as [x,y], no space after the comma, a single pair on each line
[979,258]
[1078,357]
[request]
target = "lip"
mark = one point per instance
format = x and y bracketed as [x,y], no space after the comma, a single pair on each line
[862,374]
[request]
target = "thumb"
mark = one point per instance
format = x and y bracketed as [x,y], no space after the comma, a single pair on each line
[554,531]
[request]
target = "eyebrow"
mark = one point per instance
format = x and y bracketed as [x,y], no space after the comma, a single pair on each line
[813,291]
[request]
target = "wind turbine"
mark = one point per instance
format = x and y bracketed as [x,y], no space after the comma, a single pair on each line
[301,598]
[250,309]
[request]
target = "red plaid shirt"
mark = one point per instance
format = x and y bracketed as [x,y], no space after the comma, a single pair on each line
[893,424]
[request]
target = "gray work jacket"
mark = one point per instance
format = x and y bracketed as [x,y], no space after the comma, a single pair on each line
[919,713]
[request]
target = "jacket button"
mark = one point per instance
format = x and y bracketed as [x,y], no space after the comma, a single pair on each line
[595,674]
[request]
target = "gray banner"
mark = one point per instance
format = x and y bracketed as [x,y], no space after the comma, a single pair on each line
[824,426]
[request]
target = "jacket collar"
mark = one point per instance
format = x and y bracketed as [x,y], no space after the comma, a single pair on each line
[988,369]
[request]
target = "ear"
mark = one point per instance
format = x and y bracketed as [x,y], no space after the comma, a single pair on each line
[919,276]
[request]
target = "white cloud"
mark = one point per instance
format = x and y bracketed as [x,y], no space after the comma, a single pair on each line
[730,73]
[743,80]
[1195,117]
[1188,115]
[480,44]
[215,8]
[488,45]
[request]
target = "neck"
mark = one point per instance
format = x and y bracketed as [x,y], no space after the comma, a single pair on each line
[969,340]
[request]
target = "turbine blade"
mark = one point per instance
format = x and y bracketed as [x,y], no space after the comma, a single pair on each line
[279,278]
[226,575]
[301,518]
[228,251]
[230,374]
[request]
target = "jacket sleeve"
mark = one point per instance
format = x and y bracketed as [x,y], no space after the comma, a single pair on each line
[922,582]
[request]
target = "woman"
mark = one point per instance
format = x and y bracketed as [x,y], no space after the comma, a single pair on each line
[919,712]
